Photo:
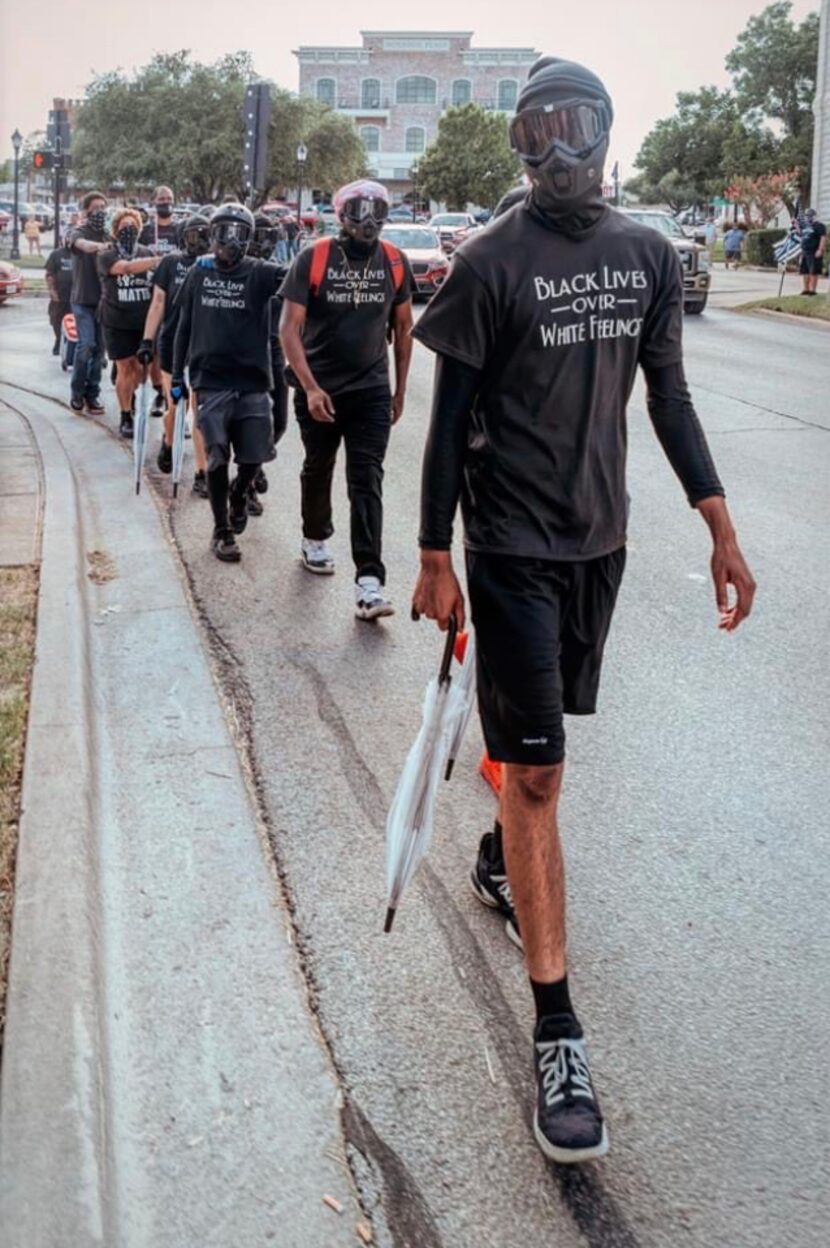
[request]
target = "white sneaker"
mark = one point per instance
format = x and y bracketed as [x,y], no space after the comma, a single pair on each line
[317,557]
[370,603]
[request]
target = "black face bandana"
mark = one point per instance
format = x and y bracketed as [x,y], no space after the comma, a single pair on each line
[126,240]
[164,211]
[97,219]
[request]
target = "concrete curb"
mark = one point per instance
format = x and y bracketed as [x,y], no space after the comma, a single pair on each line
[162,1079]
[810,322]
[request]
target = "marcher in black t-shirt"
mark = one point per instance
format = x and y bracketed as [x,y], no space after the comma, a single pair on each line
[265,241]
[59,284]
[222,337]
[124,272]
[84,242]
[813,243]
[539,331]
[161,234]
[340,297]
[160,333]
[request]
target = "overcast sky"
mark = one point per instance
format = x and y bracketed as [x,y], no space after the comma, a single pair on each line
[645,51]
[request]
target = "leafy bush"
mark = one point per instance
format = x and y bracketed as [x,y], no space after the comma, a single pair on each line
[759,244]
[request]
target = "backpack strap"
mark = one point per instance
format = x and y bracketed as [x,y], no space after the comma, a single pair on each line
[395,262]
[319,259]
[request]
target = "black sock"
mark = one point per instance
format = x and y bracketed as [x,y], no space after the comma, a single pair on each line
[245,474]
[552,998]
[127,413]
[217,479]
[498,845]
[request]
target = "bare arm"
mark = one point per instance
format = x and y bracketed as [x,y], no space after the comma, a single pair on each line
[88,247]
[292,321]
[51,286]
[142,265]
[155,313]
[402,335]
[728,564]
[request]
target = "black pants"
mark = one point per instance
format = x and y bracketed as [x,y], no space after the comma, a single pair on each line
[362,421]
[57,311]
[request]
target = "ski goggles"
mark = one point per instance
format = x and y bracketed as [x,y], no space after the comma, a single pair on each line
[364,208]
[574,127]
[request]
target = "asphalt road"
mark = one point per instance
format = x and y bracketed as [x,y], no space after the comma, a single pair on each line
[695,823]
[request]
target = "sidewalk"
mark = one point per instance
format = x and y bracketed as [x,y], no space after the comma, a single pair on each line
[163,1080]
[19,492]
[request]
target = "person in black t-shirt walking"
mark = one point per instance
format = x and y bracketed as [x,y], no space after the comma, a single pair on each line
[124,273]
[85,242]
[340,297]
[59,284]
[264,243]
[222,337]
[539,331]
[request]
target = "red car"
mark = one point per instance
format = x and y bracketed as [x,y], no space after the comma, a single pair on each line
[11,280]
[422,249]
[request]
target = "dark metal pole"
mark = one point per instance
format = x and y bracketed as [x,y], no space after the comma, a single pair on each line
[57,184]
[15,252]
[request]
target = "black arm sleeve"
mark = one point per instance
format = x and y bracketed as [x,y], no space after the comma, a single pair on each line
[181,342]
[455,388]
[680,433]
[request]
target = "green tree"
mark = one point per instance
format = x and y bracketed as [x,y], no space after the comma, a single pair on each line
[470,161]
[774,68]
[335,152]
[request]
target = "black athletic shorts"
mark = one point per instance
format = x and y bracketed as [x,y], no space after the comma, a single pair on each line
[810,264]
[122,344]
[540,631]
[238,419]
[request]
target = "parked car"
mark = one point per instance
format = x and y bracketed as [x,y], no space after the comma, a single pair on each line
[11,280]
[693,257]
[401,213]
[279,209]
[422,248]
[453,228]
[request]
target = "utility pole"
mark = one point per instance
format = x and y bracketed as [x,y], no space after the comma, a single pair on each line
[17,140]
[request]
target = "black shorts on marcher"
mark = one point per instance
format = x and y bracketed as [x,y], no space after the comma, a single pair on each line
[122,344]
[540,628]
[235,419]
[810,264]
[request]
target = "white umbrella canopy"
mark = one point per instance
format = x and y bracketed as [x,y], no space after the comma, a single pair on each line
[447,706]
[141,431]
[178,443]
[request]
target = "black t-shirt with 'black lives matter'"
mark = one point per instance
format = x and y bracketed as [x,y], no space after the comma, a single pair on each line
[124,298]
[346,324]
[557,326]
[223,327]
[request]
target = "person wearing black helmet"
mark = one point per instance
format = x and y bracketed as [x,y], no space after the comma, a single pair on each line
[539,331]
[160,332]
[262,247]
[343,296]
[222,336]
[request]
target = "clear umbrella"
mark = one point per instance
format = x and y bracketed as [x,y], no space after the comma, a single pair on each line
[411,815]
[178,443]
[141,431]
[465,683]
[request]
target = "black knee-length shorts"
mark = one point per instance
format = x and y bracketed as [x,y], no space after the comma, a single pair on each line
[541,628]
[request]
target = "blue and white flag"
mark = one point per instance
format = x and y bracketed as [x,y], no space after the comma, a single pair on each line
[789,248]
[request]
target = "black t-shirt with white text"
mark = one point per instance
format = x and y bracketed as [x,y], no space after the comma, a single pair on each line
[124,298]
[223,326]
[811,236]
[557,326]
[159,236]
[345,332]
[86,286]
[60,265]
[169,277]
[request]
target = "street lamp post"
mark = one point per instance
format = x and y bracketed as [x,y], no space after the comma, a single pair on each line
[414,175]
[17,140]
[302,156]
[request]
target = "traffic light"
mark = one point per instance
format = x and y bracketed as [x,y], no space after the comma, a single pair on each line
[42,160]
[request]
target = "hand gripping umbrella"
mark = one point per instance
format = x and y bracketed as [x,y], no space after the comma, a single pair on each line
[178,443]
[410,820]
[141,431]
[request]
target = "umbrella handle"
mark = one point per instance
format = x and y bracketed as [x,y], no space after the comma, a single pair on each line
[449,650]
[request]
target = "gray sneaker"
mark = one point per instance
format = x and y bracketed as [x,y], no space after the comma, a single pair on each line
[370,603]
[316,557]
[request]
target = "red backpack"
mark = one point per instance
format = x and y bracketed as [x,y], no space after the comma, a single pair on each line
[320,258]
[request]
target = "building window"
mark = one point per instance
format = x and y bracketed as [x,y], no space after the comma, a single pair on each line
[327,91]
[370,135]
[462,91]
[415,90]
[416,139]
[370,93]
[508,94]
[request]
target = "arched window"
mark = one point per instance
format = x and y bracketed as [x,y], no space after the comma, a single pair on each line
[416,139]
[415,90]
[462,91]
[327,91]
[370,136]
[508,94]
[370,93]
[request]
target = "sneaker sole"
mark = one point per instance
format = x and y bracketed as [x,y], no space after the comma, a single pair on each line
[569,1156]
[491,904]
[374,613]
[235,558]
[320,570]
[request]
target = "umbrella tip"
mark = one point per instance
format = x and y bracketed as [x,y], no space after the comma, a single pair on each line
[138,487]
[390,919]
[450,765]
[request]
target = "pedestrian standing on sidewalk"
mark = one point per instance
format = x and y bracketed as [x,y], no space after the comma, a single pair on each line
[222,338]
[539,330]
[813,243]
[31,231]
[58,270]
[733,241]
[124,272]
[85,242]
[341,296]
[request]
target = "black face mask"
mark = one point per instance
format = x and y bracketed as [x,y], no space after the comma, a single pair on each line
[126,239]
[96,220]
[196,242]
[164,211]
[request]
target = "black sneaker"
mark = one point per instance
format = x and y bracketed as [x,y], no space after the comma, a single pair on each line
[238,501]
[261,482]
[255,507]
[567,1124]
[77,405]
[223,544]
[126,426]
[165,458]
[158,405]
[489,881]
[200,487]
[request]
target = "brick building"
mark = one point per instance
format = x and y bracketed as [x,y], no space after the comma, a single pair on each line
[396,85]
